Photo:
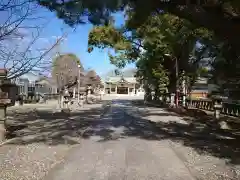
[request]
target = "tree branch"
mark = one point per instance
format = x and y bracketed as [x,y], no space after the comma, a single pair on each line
[224,28]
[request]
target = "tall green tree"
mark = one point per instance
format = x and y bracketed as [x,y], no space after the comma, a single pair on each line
[221,17]
[149,45]
[225,68]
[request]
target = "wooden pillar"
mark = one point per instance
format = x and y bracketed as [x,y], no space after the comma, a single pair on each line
[134,89]
[104,87]
[26,84]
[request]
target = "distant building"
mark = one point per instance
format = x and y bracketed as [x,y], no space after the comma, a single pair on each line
[46,85]
[31,83]
[201,88]
[125,83]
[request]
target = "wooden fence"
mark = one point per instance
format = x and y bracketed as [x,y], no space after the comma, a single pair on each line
[228,108]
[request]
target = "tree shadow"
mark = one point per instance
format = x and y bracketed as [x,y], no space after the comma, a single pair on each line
[201,137]
[53,128]
[198,115]
[114,123]
[199,131]
[154,103]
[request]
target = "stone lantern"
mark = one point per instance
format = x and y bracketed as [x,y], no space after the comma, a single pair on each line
[217,105]
[218,101]
[66,101]
[8,93]
[89,88]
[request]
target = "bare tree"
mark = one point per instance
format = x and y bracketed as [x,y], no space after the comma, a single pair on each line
[93,79]
[22,60]
[14,15]
[22,49]
[65,70]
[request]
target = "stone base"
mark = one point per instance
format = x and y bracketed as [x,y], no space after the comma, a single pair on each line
[17,103]
[224,125]
[65,110]
[81,103]
[3,110]
[2,132]
[89,102]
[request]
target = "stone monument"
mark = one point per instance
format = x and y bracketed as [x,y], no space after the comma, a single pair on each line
[217,105]
[66,101]
[7,98]
[81,100]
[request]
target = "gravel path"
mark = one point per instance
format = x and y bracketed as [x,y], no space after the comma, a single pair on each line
[29,162]
[45,139]
[205,157]
[112,151]
[117,141]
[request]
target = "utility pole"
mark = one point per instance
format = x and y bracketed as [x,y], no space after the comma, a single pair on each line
[184,90]
[79,76]
[177,89]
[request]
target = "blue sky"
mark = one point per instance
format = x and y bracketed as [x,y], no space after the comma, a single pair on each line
[51,28]
[77,41]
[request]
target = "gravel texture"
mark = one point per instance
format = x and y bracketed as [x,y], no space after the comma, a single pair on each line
[45,139]
[29,162]
[112,150]
[205,166]
[114,141]
[195,149]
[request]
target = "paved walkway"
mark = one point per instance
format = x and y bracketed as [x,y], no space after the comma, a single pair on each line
[111,150]
[128,159]
[116,141]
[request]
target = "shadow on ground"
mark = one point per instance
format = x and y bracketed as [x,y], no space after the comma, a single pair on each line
[199,132]
[53,128]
